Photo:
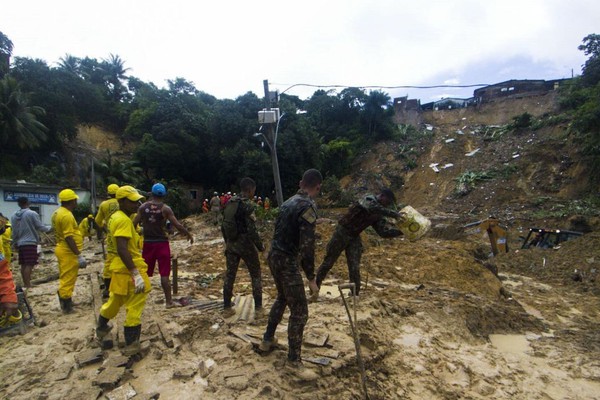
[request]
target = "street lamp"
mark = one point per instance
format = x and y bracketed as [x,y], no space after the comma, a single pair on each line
[268,118]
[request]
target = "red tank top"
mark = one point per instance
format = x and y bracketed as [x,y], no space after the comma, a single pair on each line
[153,222]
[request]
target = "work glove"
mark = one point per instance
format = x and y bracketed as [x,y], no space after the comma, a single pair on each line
[82,261]
[138,281]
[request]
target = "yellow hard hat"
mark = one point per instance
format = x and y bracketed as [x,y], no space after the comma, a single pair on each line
[128,192]
[67,195]
[90,216]
[112,188]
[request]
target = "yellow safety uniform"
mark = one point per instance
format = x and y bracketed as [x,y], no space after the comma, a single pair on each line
[84,228]
[105,210]
[122,289]
[6,244]
[64,225]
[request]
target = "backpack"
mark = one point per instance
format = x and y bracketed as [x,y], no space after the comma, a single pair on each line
[233,220]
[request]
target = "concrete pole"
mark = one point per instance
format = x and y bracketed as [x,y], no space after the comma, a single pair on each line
[272,142]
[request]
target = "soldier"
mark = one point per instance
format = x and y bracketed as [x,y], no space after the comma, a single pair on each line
[294,236]
[241,242]
[215,208]
[369,211]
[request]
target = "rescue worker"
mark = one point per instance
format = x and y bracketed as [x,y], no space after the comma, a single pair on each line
[129,285]
[153,216]
[86,227]
[27,224]
[9,303]
[68,247]
[105,210]
[215,207]
[241,243]
[7,242]
[369,211]
[267,204]
[205,206]
[293,239]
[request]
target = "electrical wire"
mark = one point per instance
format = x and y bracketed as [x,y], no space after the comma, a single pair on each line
[378,87]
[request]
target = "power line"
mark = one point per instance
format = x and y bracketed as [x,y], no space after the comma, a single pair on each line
[378,87]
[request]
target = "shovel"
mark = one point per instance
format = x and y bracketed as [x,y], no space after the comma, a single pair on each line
[354,328]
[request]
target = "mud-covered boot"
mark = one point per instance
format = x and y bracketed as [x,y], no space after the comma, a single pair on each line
[267,345]
[103,327]
[299,371]
[106,291]
[68,306]
[132,340]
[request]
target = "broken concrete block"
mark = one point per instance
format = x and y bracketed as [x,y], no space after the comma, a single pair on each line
[206,367]
[109,378]
[124,392]
[116,360]
[88,357]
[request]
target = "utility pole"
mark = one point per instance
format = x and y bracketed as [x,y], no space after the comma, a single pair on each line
[271,138]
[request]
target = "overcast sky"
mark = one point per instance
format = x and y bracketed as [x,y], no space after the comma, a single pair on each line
[227,48]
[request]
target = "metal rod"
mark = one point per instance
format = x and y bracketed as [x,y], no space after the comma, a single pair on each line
[359,358]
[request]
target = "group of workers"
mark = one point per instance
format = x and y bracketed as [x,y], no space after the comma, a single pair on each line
[292,248]
[131,260]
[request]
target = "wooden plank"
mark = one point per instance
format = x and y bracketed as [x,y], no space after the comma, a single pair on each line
[175,268]
[166,335]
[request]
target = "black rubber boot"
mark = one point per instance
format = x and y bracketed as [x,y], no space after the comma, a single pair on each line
[132,340]
[106,292]
[103,327]
[68,305]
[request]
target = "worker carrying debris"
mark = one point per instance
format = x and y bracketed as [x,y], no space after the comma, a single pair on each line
[129,285]
[293,239]
[105,210]
[371,210]
[241,243]
[68,247]
[153,216]
[86,226]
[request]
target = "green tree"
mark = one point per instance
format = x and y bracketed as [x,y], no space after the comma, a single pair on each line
[591,68]
[6,49]
[19,124]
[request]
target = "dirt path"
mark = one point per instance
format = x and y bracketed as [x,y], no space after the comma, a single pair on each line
[432,325]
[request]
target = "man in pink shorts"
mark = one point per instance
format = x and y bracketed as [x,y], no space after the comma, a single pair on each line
[153,216]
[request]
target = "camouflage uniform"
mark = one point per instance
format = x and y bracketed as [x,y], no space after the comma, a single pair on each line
[294,235]
[243,248]
[362,214]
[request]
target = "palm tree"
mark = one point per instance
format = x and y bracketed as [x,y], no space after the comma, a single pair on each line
[6,48]
[112,170]
[70,64]
[114,72]
[19,123]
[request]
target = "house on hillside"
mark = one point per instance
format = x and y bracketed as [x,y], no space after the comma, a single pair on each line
[407,111]
[516,88]
[43,197]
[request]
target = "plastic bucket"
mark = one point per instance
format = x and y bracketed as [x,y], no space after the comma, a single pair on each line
[415,225]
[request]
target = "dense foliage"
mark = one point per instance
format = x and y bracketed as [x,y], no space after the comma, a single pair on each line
[581,101]
[180,132]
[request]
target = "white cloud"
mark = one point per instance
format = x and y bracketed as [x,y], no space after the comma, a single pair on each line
[228,48]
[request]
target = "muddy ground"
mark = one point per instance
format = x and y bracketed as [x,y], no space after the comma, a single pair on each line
[432,322]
